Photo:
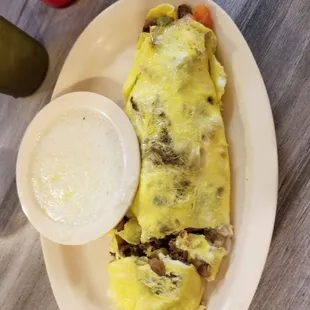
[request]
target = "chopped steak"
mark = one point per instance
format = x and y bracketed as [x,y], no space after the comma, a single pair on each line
[214,237]
[219,241]
[176,253]
[148,23]
[157,266]
[169,244]
[180,255]
[183,10]
[172,246]
[203,270]
[130,250]
[210,234]
[156,244]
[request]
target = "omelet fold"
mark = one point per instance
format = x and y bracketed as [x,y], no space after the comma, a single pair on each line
[173,97]
[174,102]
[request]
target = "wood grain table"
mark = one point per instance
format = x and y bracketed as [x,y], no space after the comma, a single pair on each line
[278,32]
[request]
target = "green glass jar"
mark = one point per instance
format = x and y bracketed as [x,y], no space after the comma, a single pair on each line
[23,61]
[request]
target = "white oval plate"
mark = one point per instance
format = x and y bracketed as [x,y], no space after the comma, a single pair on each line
[99,62]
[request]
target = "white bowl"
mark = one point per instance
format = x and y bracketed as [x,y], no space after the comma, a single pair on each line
[66,232]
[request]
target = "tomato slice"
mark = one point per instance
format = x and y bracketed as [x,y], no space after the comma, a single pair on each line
[202,14]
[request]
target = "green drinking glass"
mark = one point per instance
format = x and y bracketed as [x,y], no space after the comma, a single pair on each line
[23,61]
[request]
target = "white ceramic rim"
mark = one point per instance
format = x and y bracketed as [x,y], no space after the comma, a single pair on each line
[81,234]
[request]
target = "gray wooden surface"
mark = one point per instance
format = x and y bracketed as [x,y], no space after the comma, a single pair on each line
[278,32]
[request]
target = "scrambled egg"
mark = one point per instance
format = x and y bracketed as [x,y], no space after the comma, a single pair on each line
[173,100]
[138,287]
[162,10]
[131,232]
[199,250]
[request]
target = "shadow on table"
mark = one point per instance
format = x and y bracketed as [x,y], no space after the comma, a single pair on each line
[12,218]
[291,184]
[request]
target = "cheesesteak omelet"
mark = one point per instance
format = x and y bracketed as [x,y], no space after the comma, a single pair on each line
[175,231]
